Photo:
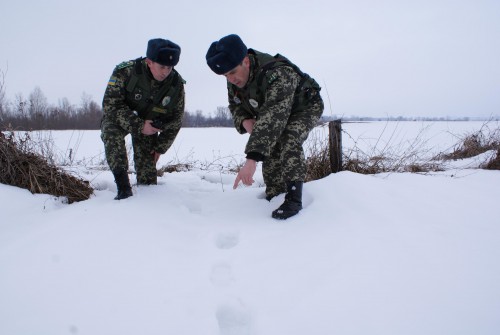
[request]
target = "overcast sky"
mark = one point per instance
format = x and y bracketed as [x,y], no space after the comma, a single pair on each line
[372,58]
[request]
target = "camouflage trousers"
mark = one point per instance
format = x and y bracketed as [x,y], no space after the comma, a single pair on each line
[113,137]
[287,160]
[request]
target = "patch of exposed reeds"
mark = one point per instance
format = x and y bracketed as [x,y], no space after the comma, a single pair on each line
[403,157]
[20,166]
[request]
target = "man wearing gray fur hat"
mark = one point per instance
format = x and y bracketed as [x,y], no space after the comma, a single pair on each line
[144,98]
[278,105]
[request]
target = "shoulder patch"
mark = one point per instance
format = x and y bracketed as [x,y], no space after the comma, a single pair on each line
[272,77]
[112,81]
[123,65]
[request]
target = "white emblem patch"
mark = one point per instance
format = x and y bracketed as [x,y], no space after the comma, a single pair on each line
[165,101]
[253,103]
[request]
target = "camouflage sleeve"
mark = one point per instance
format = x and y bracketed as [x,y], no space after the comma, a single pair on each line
[172,126]
[114,106]
[275,111]
[237,112]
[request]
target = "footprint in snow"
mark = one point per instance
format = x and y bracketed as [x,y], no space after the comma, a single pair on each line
[227,240]
[233,319]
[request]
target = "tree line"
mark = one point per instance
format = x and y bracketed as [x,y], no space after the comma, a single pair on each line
[35,113]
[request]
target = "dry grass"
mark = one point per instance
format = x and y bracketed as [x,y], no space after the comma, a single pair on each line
[476,143]
[494,163]
[472,145]
[170,168]
[404,157]
[318,160]
[21,167]
[221,164]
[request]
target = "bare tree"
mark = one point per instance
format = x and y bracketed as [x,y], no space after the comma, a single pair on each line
[90,113]
[199,119]
[222,117]
[86,101]
[21,106]
[66,107]
[59,117]
[37,102]
[38,109]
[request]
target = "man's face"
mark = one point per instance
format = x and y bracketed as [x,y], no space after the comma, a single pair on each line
[240,74]
[160,72]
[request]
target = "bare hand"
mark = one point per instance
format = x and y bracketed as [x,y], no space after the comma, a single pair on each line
[248,125]
[245,175]
[148,129]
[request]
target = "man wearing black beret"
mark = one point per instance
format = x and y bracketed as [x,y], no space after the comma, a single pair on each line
[278,105]
[144,98]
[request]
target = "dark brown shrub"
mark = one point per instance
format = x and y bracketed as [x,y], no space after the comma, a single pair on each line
[22,168]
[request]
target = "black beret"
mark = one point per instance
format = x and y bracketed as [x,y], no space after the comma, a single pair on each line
[163,52]
[226,54]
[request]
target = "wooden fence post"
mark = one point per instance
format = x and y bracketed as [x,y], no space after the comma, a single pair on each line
[335,138]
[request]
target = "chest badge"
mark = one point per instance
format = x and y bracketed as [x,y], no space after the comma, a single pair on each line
[138,96]
[237,100]
[166,101]
[253,103]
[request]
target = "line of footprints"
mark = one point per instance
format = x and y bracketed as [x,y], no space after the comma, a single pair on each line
[232,316]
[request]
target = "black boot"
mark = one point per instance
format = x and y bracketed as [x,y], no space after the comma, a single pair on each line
[122,184]
[293,201]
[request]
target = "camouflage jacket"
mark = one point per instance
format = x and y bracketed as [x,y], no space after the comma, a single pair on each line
[128,104]
[270,97]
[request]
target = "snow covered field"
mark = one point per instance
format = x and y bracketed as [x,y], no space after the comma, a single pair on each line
[369,254]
